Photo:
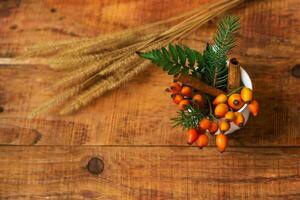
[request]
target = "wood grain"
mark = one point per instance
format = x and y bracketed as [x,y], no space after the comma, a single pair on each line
[122,146]
[40,172]
[268,47]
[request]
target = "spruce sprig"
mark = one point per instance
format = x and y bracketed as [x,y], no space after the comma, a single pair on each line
[188,118]
[224,38]
[215,69]
[215,56]
[176,60]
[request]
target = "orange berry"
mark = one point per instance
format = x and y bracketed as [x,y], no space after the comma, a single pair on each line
[175,87]
[192,136]
[213,127]
[198,99]
[221,142]
[235,101]
[221,98]
[183,103]
[177,98]
[230,116]
[221,109]
[239,119]
[204,124]
[186,91]
[254,107]
[202,141]
[224,126]
[246,94]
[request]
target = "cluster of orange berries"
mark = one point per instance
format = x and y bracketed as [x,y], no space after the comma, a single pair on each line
[225,108]
[199,135]
[183,95]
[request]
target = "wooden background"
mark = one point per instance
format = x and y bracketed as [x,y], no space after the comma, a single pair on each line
[128,130]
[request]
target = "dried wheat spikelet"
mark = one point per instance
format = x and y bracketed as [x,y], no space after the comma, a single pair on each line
[102,63]
[80,74]
[100,46]
[101,87]
[56,101]
[67,63]
[83,73]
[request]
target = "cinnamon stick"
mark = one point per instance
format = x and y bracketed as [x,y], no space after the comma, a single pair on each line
[234,75]
[198,85]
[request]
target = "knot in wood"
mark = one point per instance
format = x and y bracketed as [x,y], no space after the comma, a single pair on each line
[296,71]
[95,166]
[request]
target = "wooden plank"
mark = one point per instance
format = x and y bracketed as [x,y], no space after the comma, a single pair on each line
[268,46]
[39,172]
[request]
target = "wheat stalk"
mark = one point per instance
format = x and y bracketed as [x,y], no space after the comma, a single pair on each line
[56,101]
[100,88]
[97,52]
[112,44]
[93,67]
[87,60]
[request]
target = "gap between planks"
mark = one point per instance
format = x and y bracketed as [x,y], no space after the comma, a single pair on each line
[155,146]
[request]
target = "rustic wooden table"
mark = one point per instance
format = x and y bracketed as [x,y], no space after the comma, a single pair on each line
[122,146]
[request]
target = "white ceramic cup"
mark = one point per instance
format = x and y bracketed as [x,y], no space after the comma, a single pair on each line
[245,78]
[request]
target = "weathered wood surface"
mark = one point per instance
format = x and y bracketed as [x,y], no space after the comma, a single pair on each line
[129,129]
[147,173]
[268,47]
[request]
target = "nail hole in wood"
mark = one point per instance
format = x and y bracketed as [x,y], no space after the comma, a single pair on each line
[13,27]
[95,166]
[296,71]
[53,10]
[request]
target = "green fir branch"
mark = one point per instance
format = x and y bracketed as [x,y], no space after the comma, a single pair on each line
[188,118]
[215,56]
[224,38]
[215,69]
[176,60]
